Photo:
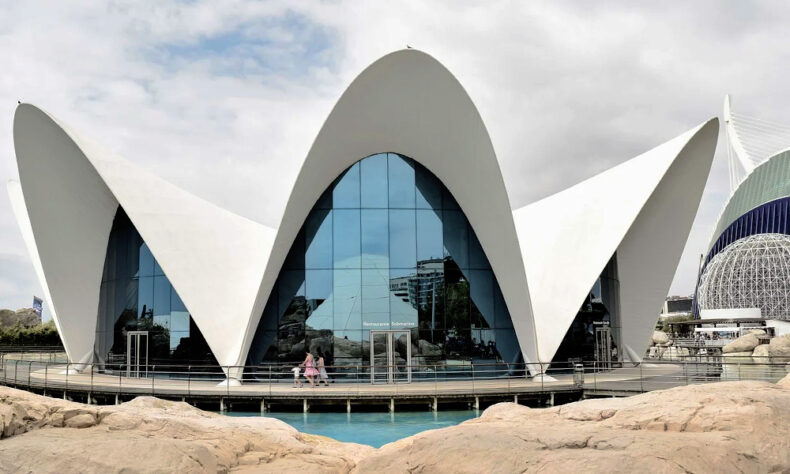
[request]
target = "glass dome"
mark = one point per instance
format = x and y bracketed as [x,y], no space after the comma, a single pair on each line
[753,272]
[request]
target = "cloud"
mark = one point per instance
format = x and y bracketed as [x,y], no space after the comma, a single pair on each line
[218,98]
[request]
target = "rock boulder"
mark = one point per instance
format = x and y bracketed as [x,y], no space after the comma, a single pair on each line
[780,346]
[745,343]
[761,352]
[660,337]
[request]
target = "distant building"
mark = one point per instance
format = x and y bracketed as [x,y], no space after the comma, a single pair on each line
[677,306]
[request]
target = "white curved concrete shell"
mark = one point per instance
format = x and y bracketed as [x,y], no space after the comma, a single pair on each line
[73,188]
[545,256]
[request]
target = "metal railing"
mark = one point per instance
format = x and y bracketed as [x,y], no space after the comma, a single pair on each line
[47,372]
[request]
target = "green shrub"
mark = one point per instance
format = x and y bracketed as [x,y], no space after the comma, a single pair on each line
[40,335]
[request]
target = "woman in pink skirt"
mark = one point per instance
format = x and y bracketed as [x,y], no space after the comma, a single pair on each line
[309,369]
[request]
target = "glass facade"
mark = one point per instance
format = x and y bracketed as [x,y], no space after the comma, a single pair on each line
[385,247]
[137,296]
[599,309]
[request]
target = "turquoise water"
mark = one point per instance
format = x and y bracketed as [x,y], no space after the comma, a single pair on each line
[374,429]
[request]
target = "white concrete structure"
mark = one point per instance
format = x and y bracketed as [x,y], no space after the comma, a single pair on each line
[546,256]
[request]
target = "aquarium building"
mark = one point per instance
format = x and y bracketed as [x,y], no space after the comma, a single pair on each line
[398,243]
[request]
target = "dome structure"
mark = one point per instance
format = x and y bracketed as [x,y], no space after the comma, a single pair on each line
[753,272]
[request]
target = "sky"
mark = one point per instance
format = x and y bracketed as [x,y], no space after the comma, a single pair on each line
[224,98]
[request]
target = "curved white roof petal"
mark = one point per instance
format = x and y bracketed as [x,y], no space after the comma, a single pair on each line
[73,187]
[635,208]
[409,103]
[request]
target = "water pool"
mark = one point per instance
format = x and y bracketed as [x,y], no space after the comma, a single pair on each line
[374,429]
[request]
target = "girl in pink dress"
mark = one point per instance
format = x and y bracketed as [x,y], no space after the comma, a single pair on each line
[309,369]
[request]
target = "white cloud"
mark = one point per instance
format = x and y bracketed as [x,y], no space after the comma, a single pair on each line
[218,97]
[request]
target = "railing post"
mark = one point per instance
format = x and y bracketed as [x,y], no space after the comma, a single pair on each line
[16,364]
[91,382]
[227,385]
[270,380]
[189,381]
[641,379]
[29,369]
[153,377]
[67,380]
[45,378]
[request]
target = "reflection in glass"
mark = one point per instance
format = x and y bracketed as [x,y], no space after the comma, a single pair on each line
[318,239]
[403,238]
[346,238]
[429,235]
[347,300]
[375,238]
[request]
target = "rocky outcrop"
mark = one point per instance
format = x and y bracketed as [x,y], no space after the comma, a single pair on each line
[149,434]
[780,346]
[685,429]
[726,427]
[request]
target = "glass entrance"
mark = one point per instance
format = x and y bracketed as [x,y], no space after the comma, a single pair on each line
[603,346]
[390,356]
[137,354]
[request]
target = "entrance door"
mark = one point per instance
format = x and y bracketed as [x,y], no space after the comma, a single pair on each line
[603,346]
[137,354]
[390,356]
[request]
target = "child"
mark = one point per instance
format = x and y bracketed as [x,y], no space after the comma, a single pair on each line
[296,370]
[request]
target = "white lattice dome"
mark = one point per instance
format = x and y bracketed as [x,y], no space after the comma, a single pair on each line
[753,272]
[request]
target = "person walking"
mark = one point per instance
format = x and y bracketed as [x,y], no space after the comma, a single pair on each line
[322,375]
[309,369]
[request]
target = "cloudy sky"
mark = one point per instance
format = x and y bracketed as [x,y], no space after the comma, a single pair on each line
[220,97]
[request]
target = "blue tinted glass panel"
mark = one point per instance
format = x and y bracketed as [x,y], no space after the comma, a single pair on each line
[401,182]
[429,191]
[290,285]
[179,321]
[175,301]
[403,298]
[346,192]
[403,238]
[295,258]
[429,235]
[158,269]
[318,290]
[375,299]
[457,305]
[346,238]
[145,297]
[375,238]
[347,300]
[481,288]
[318,239]
[146,261]
[348,347]
[374,181]
[502,318]
[161,301]
[477,258]
[448,201]
[456,238]
[176,338]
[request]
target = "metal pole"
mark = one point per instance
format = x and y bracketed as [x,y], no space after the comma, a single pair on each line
[29,369]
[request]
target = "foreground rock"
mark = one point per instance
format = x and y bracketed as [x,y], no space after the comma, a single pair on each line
[723,427]
[152,435]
